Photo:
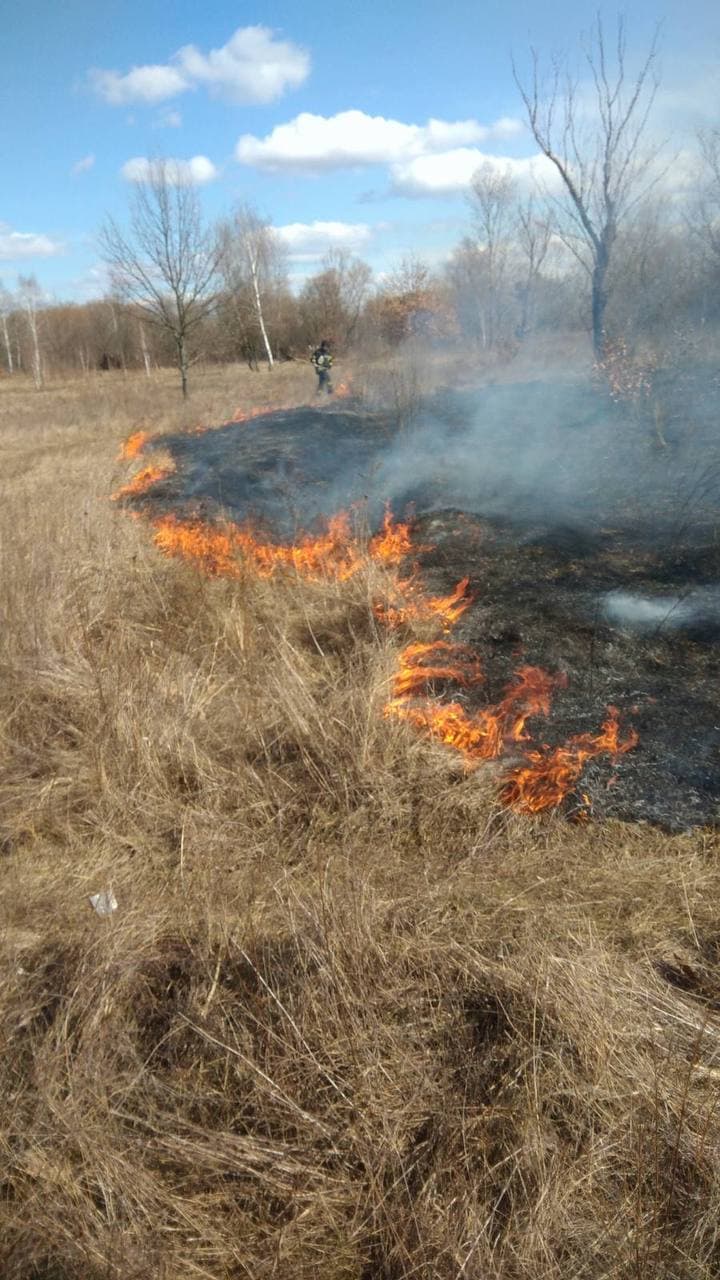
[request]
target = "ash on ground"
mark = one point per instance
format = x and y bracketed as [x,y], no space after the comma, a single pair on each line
[592,543]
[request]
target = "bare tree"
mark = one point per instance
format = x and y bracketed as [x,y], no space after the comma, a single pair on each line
[534,232]
[167,262]
[332,301]
[492,200]
[603,171]
[6,306]
[251,259]
[704,213]
[30,298]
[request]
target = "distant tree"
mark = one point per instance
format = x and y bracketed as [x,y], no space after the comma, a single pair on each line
[331,302]
[704,212]
[492,200]
[604,173]
[252,262]
[533,229]
[6,308]
[166,264]
[30,295]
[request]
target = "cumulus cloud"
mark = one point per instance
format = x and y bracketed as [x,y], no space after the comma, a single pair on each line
[352,139]
[82,166]
[15,246]
[253,67]
[150,84]
[179,173]
[452,171]
[309,240]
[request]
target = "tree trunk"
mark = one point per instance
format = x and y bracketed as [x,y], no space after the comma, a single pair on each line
[144,349]
[37,372]
[599,304]
[259,312]
[8,348]
[182,364]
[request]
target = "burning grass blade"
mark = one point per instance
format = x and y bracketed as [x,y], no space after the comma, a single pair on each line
[145,480]
[550,775]
[134,445]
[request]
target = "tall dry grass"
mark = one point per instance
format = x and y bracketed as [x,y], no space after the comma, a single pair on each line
[351,1019]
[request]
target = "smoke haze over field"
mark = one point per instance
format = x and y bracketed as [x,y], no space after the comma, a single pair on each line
[551,452]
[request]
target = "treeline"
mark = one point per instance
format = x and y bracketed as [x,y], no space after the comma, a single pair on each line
[614,242]
[664,282]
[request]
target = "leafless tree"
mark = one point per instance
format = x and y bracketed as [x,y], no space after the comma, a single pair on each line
[331,302]
[604,170]
[534,233]
[30,295]
[6,306]
[251,260]
[704,214]
[492,200]
[167,262]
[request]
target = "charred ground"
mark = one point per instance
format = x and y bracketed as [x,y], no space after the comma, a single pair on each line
[554,499]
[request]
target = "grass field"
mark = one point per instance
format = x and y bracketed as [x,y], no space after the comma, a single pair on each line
[351,1020]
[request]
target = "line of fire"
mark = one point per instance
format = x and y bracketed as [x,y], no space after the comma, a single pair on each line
[548,646]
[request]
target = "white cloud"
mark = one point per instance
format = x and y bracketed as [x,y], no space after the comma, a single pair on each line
[310,240]
[141,84]
[253,67]
[451,171]
[18,245]
[351,138]
[179,173]
[82,166]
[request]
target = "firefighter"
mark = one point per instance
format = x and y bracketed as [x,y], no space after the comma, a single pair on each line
[322,361]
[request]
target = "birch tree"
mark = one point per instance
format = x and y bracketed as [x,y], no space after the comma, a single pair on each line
[251,261]
[534,232]
[30,296]
[166,262]
[492,200]
[596,150]
[6,306]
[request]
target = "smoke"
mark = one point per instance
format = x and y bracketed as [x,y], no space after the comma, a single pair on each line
[552,450]
[695,612]
[555,452]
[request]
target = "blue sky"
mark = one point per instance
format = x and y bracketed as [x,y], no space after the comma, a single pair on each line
[317,114]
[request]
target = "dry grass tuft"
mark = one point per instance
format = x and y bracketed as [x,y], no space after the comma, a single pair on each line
[350,1019]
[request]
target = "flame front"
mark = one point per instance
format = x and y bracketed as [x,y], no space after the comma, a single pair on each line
[477,735]
[550,775]
[144,480]
[335,553]
[133,445]
[547,775]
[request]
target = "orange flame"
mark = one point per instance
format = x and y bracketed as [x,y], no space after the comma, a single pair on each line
[551,774]
[246,415]
[409,604]
[393,543]
[143,481]
[335,553]
[479,735]
[211,549]
[133,445]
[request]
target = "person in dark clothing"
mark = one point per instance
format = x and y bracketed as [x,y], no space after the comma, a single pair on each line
[322,360]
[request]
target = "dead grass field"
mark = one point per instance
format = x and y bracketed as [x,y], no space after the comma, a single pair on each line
[351,1020]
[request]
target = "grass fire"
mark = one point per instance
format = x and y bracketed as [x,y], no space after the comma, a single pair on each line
[367,990]
[360,649]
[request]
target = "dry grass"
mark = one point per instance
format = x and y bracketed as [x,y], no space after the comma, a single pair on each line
[351,1020]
